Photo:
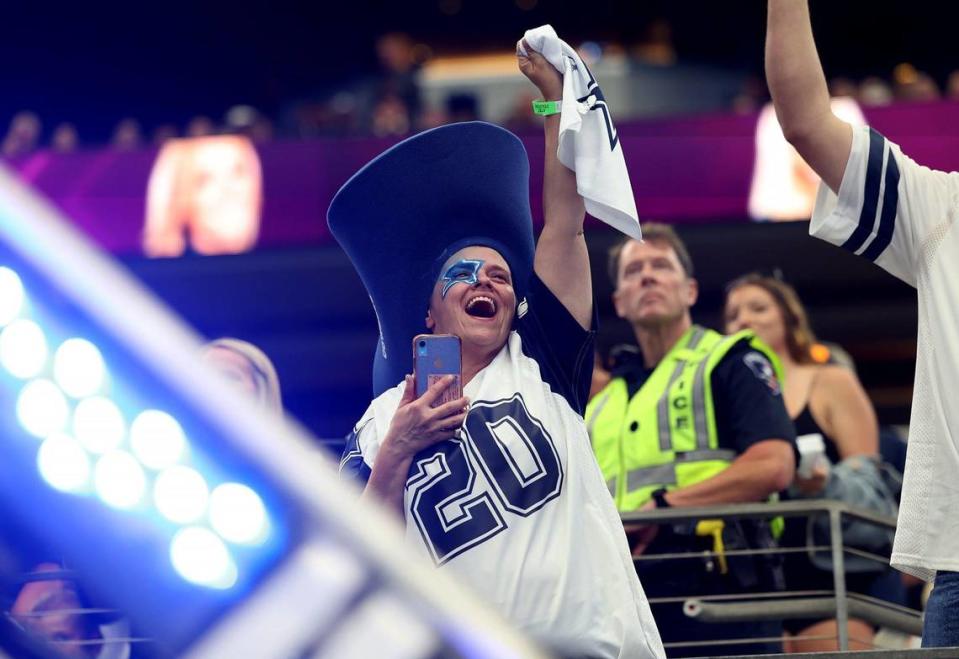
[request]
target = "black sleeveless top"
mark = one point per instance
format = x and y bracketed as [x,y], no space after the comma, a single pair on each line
[806,425]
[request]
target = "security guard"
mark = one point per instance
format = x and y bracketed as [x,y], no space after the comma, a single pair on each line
[695,419]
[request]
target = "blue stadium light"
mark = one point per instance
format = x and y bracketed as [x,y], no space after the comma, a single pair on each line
[78,368]
[237,513]
[200,557]
[64,464]
[157,439]
[23,348]
[98,424]
[180,494]
[42,409]
[119,480]
[151,478]
[11,295]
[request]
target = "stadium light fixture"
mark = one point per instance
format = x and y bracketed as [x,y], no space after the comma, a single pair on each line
[217,528]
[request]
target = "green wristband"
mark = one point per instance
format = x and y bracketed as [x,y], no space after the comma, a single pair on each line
[546,108]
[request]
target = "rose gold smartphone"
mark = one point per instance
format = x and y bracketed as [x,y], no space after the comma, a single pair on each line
[435,356]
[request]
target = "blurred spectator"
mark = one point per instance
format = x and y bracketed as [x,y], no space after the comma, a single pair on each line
[23,135]
[823,400]
[615,57]
[391,117]
[656,46]
[952,86]
[52,609]
[923,89]
[240,118]
[751,97]
[164,133]
[462,106]
[337,116]
[65,138]
[248,367]
[910,84]
[432,118]
[35,609]
[843,88]
[590,52]
[343,116]
[874,91]
[247,120]
[262,130]
[398,57]
[127,136]
[200,126]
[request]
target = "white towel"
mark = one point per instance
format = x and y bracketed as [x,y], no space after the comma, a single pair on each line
[588,142]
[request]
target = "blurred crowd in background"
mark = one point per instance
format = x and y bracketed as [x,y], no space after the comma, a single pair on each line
[403,97]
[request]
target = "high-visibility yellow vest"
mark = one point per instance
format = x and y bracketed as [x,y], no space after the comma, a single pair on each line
[666,435]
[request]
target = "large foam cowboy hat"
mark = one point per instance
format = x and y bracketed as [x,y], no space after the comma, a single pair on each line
[405,212]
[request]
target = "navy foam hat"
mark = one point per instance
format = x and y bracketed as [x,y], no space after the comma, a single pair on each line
[409,209]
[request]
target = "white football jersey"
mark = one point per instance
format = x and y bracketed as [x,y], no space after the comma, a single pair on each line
[902,216]
[516,505]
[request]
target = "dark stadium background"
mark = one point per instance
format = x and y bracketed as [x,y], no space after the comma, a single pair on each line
[94,63]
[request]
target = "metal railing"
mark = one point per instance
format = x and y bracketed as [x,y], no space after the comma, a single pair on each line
[784,605]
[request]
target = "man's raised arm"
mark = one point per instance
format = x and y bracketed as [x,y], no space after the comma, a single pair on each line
[799,92]
[562,260]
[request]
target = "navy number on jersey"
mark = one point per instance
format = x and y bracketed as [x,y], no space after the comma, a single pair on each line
[515,454]
[451,518]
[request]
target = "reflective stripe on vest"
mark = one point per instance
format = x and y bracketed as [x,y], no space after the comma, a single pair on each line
[665,436]
[663,475]
[662,410]
[594,409]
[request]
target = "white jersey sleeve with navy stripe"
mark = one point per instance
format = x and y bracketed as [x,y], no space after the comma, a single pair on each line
[888,205]
[902,216]
[352,462]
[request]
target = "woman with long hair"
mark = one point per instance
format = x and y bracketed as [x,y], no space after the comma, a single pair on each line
[821,399]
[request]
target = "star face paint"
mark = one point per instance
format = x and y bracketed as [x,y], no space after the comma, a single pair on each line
[464,271]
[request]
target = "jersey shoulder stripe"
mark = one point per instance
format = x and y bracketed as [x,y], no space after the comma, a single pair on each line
[882,179]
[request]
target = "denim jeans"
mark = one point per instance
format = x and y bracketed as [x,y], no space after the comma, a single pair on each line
[941,625]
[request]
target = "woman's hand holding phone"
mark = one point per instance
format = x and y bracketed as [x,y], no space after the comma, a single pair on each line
[417,425]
